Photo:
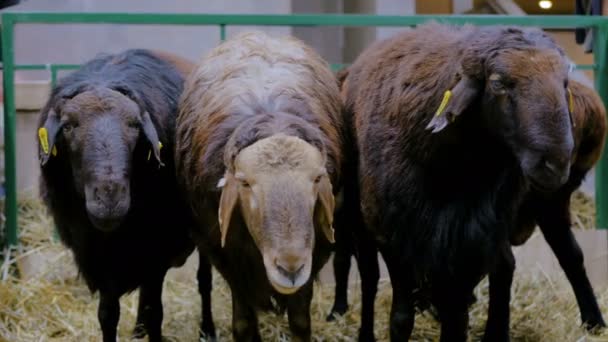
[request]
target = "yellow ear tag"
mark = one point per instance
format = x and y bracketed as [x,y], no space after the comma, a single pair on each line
[44,139]
[160,146]
[54,151]
[570,101]
[446,99]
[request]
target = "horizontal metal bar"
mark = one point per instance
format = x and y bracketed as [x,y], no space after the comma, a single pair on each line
[65,66]
[586,67]
[335,66]
[546,21]
[46,66]
[338,66]
[32,67]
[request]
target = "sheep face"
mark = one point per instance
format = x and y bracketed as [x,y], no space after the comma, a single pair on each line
[524,101]
[527,103]
[284,192]
[97,131]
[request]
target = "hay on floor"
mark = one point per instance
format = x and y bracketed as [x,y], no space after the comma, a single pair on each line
[51,303]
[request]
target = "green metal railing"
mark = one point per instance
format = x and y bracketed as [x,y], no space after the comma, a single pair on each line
[9,20]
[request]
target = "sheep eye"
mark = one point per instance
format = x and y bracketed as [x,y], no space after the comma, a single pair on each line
[133,124]
[245,184]
[318,179]
[497,84]
[67,128]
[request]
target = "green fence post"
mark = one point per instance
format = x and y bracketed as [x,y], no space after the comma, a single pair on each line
[222,32]
[10,164]
[601,84]
[53,70]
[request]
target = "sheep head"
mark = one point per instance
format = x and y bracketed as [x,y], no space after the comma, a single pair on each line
[285,198]
[518,81]
[96,131]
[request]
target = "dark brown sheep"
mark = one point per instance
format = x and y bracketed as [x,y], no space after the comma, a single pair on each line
[452,126]
[352,239]
[552,214]
[118,210]
[259,155]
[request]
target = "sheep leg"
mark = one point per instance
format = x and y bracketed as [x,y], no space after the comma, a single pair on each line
[341,263]
[244,322]
[143,306]
[554,222]
[402,307]
[108,314]
[452,305]
[140,327]
[205,278]
[367,261]
[501,278]
[150,308]
[298,313]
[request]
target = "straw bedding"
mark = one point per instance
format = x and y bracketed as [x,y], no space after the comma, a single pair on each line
[42,299]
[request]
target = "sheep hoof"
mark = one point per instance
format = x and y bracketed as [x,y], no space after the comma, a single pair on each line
[335,313]
[594,326]
[366,335]
[139,331]
[205,337]
[332,316]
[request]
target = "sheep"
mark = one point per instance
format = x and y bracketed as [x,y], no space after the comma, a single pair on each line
[552,214]
[258,153]
[589,131]
[112,190]
[352,239]
[589,136]
[452,126]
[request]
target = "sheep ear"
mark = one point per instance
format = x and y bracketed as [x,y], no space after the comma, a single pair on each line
[228,201]
[152,136]
[47,135]
[455,101]
[326,198]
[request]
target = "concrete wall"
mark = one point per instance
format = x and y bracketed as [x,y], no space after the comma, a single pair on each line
[77,43]
[533,257]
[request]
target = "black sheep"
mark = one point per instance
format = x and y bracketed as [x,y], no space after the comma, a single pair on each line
[106,139]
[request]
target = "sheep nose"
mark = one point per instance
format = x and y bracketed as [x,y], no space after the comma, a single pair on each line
[289,270]
[558,168]
[109,193]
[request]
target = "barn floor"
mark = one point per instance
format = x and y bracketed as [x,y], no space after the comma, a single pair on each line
[49,303]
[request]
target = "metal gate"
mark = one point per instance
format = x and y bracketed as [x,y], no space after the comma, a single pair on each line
[9,20]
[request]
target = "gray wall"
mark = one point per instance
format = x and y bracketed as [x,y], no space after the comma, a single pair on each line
[76,43]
